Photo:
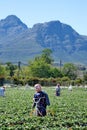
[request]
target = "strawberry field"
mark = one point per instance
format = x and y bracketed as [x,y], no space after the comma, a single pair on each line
[67,112]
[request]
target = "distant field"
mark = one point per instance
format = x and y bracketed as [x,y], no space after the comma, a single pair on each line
[67,112]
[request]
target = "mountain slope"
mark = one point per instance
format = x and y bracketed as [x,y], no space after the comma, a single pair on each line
[18,42]
[64,41]
[15,44]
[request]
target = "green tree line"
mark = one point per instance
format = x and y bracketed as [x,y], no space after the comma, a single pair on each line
[42,70]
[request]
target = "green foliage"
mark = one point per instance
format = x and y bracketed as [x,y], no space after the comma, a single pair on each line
[46,56]
[62,114]
[40,69]
[78,81]
[2,71]
[33,80]
[65,81]
[2,74]
[10,67]
[41,66]
[85,76]
[55,73]
[70,70]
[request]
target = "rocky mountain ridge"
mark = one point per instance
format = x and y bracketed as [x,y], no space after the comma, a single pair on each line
[20,43]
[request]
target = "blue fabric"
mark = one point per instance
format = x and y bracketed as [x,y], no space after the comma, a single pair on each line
[45,99]
[2,91]
[42,103]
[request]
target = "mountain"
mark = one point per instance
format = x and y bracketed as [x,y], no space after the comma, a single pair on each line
[20,43]
[15,44]
[64,41]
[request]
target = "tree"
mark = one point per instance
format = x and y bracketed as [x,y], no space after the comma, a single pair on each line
[70,70]
[2,74]
[55,73]
[85,77]
[46,56]
[2,71]
[40,68]
[10,67]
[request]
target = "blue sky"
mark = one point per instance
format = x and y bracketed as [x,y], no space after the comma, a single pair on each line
[71,12]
